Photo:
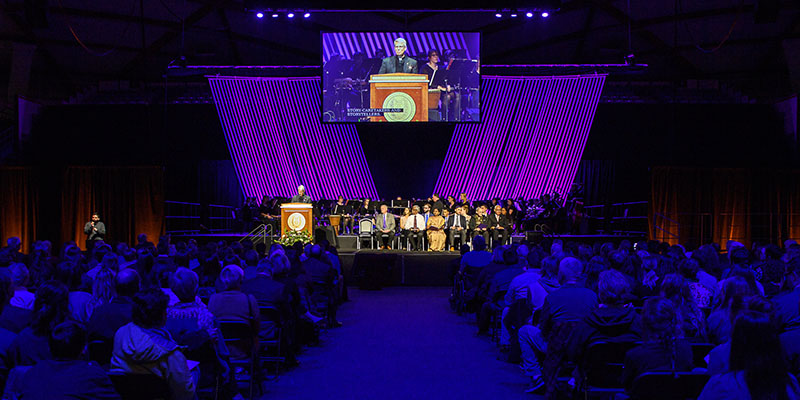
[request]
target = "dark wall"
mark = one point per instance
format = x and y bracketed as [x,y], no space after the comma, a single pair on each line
[405,159]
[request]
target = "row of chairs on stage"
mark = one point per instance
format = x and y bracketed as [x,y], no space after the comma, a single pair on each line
[367,232]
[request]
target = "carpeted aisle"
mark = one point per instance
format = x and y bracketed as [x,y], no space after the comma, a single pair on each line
[401,343]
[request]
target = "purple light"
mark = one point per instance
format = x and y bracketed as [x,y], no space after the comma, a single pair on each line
[277,141]
[306,14]
[274,15]
[290,15]
[529,14]
[545,14]
[259,15]
[498,15]
[530,140]
[513,15]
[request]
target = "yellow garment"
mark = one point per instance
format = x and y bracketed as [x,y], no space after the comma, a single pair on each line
[436,239]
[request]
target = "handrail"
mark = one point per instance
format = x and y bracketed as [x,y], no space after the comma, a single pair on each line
[260,232]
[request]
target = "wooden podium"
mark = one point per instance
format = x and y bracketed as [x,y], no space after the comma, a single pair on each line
[406,91]
[297,217]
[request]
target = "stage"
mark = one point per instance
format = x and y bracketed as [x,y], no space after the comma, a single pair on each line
[373,269]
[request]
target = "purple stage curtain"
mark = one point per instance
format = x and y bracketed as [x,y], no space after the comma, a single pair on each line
[529,142]
[695,206]
[130,201]
[278,142]
[19,201]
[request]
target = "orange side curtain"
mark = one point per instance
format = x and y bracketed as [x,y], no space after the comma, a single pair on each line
[130,201]
[19,201]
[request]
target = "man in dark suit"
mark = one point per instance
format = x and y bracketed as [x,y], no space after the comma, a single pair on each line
[498,226]
[456,226]
[301,196]
[400,62]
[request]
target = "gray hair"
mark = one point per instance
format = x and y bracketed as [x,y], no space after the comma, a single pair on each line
[231,277]
[184,284]
[280,263]
[569,269]
[301,187]
[415,207]
[401,40]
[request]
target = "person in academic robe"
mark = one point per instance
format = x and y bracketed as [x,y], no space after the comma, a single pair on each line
[479,223]
[456,227]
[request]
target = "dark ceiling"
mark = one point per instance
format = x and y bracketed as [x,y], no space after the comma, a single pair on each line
[69,44]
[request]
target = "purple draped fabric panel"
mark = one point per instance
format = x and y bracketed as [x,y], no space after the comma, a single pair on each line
[277,142]
[530,141]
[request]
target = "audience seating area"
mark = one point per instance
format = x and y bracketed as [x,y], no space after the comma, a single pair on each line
[646,321]
[166,320]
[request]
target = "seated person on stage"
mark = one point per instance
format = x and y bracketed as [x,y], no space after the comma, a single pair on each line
[479,224]
[498,225]
[402,224]
[435,229]
[301,196]
[457,226]
[400,62]
[367,209]
[415,228]
[340,208]
[384,227]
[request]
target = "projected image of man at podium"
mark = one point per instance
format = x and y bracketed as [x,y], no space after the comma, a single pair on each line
[400,62]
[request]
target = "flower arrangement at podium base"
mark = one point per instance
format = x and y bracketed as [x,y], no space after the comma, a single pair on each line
[290,237]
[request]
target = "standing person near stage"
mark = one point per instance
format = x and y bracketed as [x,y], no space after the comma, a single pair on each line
[95,229]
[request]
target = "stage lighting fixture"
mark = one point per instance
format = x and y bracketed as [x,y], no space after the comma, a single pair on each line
[306,14]
[513,13]
[545,14]
[290,15]
[529,14]
[259,15]
[498,15]
[275,15]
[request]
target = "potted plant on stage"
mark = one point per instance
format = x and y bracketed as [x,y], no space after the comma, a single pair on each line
[290,237]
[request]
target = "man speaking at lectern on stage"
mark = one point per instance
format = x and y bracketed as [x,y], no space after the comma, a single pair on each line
[400,62]
[301,196]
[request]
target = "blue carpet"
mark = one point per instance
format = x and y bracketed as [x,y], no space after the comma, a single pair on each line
[401,343]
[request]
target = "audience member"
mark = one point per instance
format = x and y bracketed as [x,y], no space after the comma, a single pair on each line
[720,322]
[50,309]
[693,324]
[757,367]
[67,375]
[22,298]
[144,346]
[231,304]
[663,348]
[110,316]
